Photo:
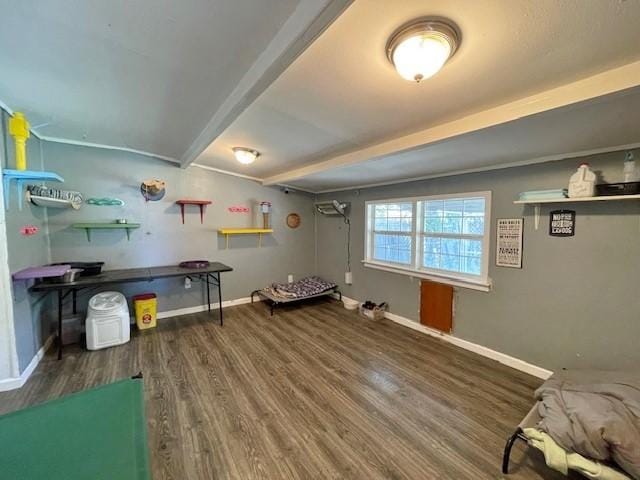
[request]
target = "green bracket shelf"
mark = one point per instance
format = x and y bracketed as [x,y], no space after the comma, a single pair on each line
[87,227]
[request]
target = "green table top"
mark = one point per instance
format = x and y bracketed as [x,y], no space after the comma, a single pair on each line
[97,434]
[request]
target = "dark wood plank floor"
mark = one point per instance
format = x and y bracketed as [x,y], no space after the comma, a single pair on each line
[313,392]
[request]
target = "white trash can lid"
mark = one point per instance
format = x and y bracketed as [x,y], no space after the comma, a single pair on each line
[107,301]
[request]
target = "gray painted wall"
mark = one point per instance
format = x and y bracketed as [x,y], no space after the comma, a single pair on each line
[30,312]
[162,238]
[575,303]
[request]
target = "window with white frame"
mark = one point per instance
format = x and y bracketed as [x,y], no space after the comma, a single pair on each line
[444,236]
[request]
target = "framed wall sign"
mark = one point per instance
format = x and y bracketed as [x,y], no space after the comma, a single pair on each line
[509,242]
[562,223]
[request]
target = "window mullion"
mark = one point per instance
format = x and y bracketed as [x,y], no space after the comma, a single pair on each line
[418,227]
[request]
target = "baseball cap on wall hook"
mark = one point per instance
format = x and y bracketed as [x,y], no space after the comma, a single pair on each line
[153,189]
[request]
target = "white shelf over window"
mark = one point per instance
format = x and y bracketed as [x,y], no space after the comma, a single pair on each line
[605,198]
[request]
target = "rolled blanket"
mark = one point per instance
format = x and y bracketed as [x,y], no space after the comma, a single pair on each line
[595,414]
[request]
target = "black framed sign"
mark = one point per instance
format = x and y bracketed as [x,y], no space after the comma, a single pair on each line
[562,223]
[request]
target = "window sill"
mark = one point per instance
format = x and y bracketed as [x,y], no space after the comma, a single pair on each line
[456,282]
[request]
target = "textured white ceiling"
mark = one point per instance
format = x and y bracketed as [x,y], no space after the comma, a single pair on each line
[590,126]
[342,94]
[143,74]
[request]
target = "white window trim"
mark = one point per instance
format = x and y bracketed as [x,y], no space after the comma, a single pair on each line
[482,282]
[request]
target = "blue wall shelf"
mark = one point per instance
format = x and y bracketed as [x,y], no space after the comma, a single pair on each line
[21,177]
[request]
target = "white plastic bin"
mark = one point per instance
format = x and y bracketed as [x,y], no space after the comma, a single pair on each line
[107,321]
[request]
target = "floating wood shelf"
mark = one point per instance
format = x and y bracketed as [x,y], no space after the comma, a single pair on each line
[200,203]
[244,231]
[605,198]
[87,227]
[21,177]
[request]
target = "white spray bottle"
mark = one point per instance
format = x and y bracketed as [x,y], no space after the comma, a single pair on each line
[630,170]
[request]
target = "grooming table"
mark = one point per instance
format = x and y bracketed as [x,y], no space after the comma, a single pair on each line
[209,274]
[97,434]
[275,301]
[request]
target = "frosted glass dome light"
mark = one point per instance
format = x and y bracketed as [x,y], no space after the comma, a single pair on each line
[420,49]
[245,155]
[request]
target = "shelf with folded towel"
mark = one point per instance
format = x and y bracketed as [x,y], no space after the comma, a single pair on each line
[536,203]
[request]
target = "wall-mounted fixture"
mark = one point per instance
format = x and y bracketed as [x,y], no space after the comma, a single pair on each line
[335,207]
[332,208]
[245,155]
[420,48]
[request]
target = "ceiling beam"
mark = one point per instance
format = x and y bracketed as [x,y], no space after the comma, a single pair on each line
[308,21]
[489,168]
[608,82]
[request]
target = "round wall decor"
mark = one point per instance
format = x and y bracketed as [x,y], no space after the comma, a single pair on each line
[153,189]
[293,220]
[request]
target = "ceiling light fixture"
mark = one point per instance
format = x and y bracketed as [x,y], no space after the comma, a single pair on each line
[245,155]
[421,47]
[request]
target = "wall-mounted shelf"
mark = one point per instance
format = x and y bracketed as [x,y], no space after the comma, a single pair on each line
[200,203]
[21,177]
[244,231]
[87,227]
[51,202]
[536,203]
[41,272]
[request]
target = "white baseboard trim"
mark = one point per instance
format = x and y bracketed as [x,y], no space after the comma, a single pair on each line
[202,308]
[503,358]
[13,383]
[17,382]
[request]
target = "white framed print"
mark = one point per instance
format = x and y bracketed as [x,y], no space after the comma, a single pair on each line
[509,242]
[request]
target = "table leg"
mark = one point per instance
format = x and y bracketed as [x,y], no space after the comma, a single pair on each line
[208,294]
[220,297]
[74,294]
[59,324]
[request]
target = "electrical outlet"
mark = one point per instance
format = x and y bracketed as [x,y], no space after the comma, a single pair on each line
[187,282]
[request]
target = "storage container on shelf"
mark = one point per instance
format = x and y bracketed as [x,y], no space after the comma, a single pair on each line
[107,320]
[582,183]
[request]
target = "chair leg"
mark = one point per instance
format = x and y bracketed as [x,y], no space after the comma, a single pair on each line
[507,449]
